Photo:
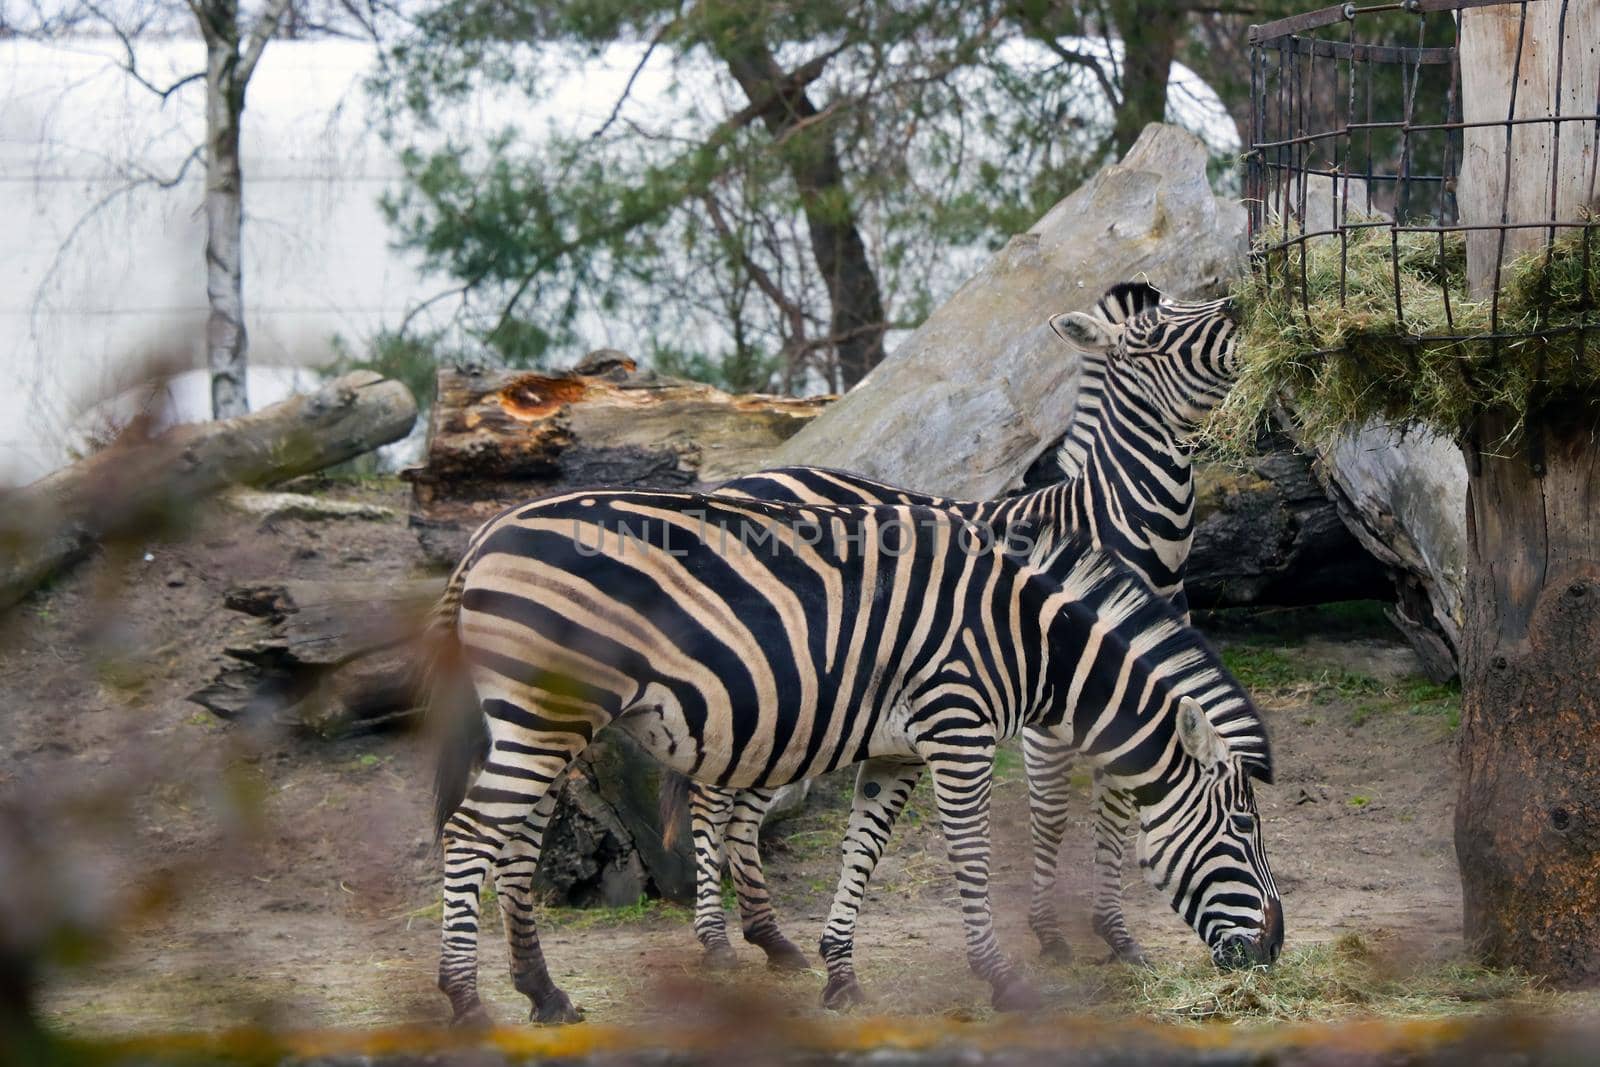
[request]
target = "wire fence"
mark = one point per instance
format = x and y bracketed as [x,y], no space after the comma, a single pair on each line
[1358,132]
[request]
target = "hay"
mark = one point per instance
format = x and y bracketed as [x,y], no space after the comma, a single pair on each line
[1384,368]
[1345,979]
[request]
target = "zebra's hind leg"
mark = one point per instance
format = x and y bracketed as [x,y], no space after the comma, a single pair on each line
[882,789]
[963,774]
[756,916]
[1113,820]
[513,879]
[508,802]
[1047,760]
[709,811]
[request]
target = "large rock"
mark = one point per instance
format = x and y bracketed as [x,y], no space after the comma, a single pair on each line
[966,402]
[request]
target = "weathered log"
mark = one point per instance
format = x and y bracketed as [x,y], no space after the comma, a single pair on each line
[336,658]
[501,436]
[1403,497]
[136,487]
[603,846]
[327,657]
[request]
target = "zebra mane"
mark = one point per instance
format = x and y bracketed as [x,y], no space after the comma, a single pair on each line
[1155,632]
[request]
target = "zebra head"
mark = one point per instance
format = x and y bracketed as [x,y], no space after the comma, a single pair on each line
[1201,844]
[1178,356]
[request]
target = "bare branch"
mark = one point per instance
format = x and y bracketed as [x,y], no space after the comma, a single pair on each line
[627,89]
[260,34]
[130,65]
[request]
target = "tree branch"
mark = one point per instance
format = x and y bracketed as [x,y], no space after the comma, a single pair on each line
[260,34]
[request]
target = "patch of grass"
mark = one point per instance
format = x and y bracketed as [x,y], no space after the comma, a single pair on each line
[1274,669]
[1359,801]
[1321,982]
[1376,363]
[1007,764]
[1279,673]
[640,911]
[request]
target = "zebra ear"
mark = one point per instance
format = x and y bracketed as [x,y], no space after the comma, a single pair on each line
[1085,331]
[1199,737]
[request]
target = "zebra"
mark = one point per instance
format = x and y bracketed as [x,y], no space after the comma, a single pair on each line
[744,654]
[1154,369]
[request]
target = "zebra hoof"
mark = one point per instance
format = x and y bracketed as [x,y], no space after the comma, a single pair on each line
[476,1017]
[1057,952]
[720,958]
[1016,995]
[1131,955]
[556,1008]
[783,955]
[842,993]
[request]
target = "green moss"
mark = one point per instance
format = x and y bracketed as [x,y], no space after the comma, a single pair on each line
[1377,365]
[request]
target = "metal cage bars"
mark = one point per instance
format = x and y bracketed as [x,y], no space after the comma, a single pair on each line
[1365,131]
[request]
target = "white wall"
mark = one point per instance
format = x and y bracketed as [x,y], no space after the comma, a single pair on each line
[100,275]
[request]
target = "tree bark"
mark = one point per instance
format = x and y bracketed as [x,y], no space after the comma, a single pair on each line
[139,487]
[226,340]
[1528,811]
[812,157]
[1150,35]
[230,63]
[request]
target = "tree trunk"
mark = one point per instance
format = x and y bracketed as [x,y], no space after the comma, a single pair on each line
[226,343]
[1150,35]
[1528,811]
[812,158]
[136,488]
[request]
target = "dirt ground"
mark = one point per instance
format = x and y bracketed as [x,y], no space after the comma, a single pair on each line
[264,878]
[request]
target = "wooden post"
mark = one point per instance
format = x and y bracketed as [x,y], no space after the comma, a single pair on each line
[1528,811]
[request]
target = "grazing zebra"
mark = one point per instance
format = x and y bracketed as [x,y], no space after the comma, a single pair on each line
[748,644]
[1155,369]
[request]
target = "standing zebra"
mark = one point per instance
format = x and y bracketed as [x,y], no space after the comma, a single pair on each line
[746,654]
[1155,369]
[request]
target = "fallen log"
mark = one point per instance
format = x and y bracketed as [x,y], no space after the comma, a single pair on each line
[138,487]
[500,436]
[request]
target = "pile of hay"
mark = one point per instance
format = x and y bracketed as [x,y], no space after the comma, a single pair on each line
[1382,370]
[1316,983]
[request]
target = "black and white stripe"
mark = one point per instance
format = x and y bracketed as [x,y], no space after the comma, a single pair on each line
[891,637]
[1153,370]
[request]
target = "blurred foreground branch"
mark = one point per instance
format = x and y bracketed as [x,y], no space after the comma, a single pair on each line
[140,486]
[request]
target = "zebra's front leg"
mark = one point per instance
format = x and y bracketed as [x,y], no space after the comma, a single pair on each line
[759,921]
[1114,812]
[882,789]
[963,774]
[709,811]
[1047,761]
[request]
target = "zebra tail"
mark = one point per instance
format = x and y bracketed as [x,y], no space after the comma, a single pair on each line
[453,715]
[674,799]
